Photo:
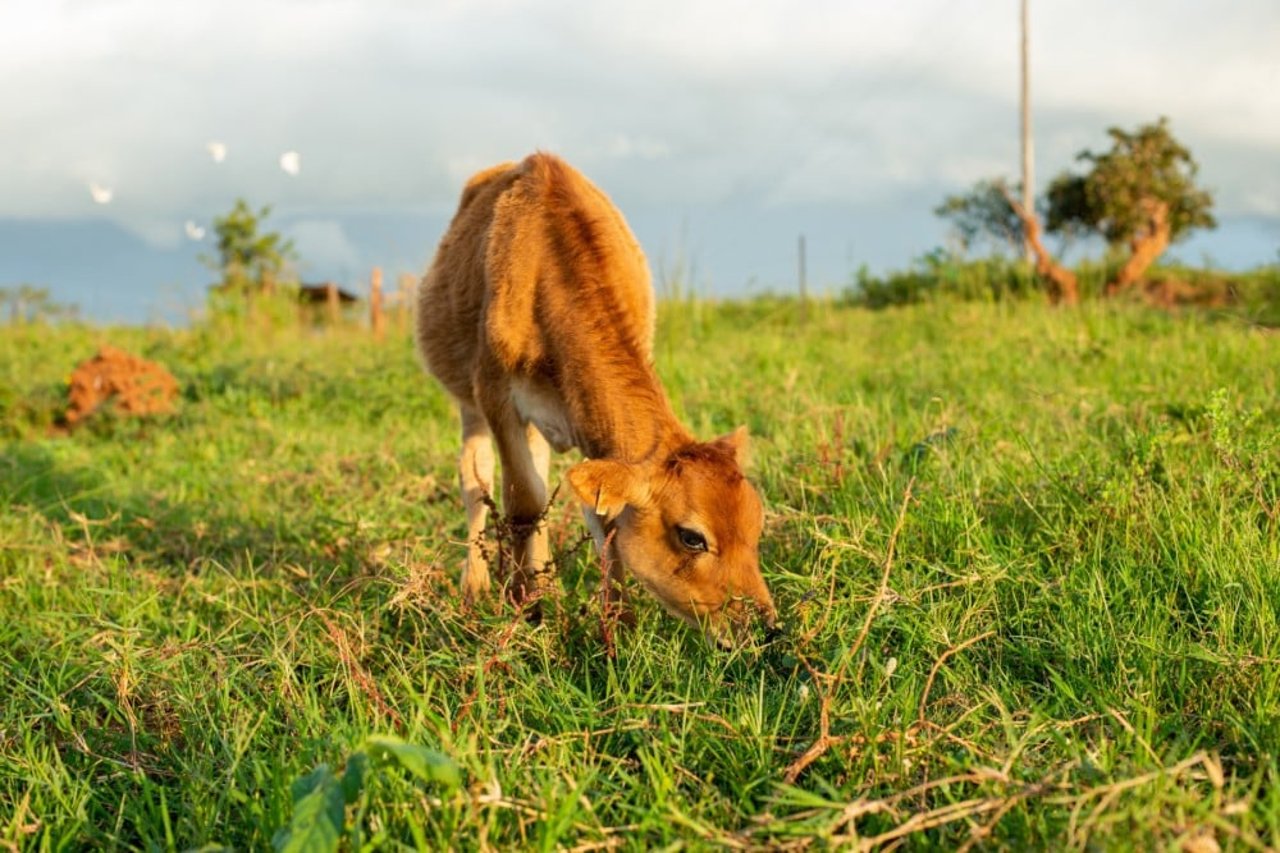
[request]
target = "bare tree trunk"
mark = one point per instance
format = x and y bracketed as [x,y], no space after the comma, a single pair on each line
[1145,247]
[1063,287]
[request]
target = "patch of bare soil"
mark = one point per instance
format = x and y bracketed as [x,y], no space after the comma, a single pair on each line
[134,386]
[1175,293]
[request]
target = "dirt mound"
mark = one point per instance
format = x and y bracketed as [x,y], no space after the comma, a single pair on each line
[135,386]
[1176,293]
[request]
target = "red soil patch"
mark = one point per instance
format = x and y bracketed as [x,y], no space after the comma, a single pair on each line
[135,386]
[1174,293]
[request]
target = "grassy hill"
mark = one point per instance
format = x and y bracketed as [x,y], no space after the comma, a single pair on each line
[1029,562]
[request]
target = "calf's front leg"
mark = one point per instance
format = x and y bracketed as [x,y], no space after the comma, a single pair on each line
[525,458]
[475,476]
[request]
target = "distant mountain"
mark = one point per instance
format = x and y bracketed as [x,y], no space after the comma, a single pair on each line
[111,274]
[114,275]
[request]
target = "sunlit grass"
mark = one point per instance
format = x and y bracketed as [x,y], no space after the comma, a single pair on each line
[1076,643]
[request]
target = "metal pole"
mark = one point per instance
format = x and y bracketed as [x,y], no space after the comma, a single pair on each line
[1028,150]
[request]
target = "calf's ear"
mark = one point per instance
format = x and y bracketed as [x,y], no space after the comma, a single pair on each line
[607,485]
[739,444]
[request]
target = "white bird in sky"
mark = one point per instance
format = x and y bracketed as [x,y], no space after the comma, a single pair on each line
[101,194]
[291,162]
[217,150]
[194,231]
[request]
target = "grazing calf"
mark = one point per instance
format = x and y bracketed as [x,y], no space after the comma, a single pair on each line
[537,316]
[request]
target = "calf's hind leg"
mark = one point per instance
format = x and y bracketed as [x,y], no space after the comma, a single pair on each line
[475,475]
[536,558]
[525,458]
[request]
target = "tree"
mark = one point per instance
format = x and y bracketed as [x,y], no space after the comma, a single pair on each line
[247,259]
[1141,194]
[991,211]
[982,215]
[27,304]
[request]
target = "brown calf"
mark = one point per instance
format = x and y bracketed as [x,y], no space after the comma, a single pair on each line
[537,316]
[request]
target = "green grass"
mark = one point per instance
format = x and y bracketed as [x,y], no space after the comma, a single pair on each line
[1076,644]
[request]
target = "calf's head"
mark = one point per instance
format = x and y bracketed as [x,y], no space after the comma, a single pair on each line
[688,528]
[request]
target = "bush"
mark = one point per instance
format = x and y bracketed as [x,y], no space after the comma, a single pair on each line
[944,273]
[1257,294]
[1253,295]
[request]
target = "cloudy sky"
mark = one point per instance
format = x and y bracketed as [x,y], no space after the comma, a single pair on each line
[722,129]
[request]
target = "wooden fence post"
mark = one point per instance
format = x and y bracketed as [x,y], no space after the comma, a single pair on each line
[377,321]
[804,283]
[250,304]
[408,289]
[331,296]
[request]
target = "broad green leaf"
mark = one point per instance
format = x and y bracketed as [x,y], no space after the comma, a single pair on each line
[318,815]
[427,764]
[353,776]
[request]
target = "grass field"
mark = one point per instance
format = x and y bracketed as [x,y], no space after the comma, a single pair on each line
[1029,562]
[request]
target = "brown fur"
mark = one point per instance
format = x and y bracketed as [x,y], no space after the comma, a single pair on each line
[537,315]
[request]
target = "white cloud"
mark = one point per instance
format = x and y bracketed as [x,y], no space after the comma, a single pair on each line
[157,232]
[626,147]
[324,248]
[669,102]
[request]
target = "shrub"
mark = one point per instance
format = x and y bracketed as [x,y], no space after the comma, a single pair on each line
[944,273]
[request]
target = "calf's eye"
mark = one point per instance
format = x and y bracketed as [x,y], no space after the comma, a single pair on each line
[691,540]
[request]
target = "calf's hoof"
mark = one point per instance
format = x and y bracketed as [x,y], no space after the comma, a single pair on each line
[475,582]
